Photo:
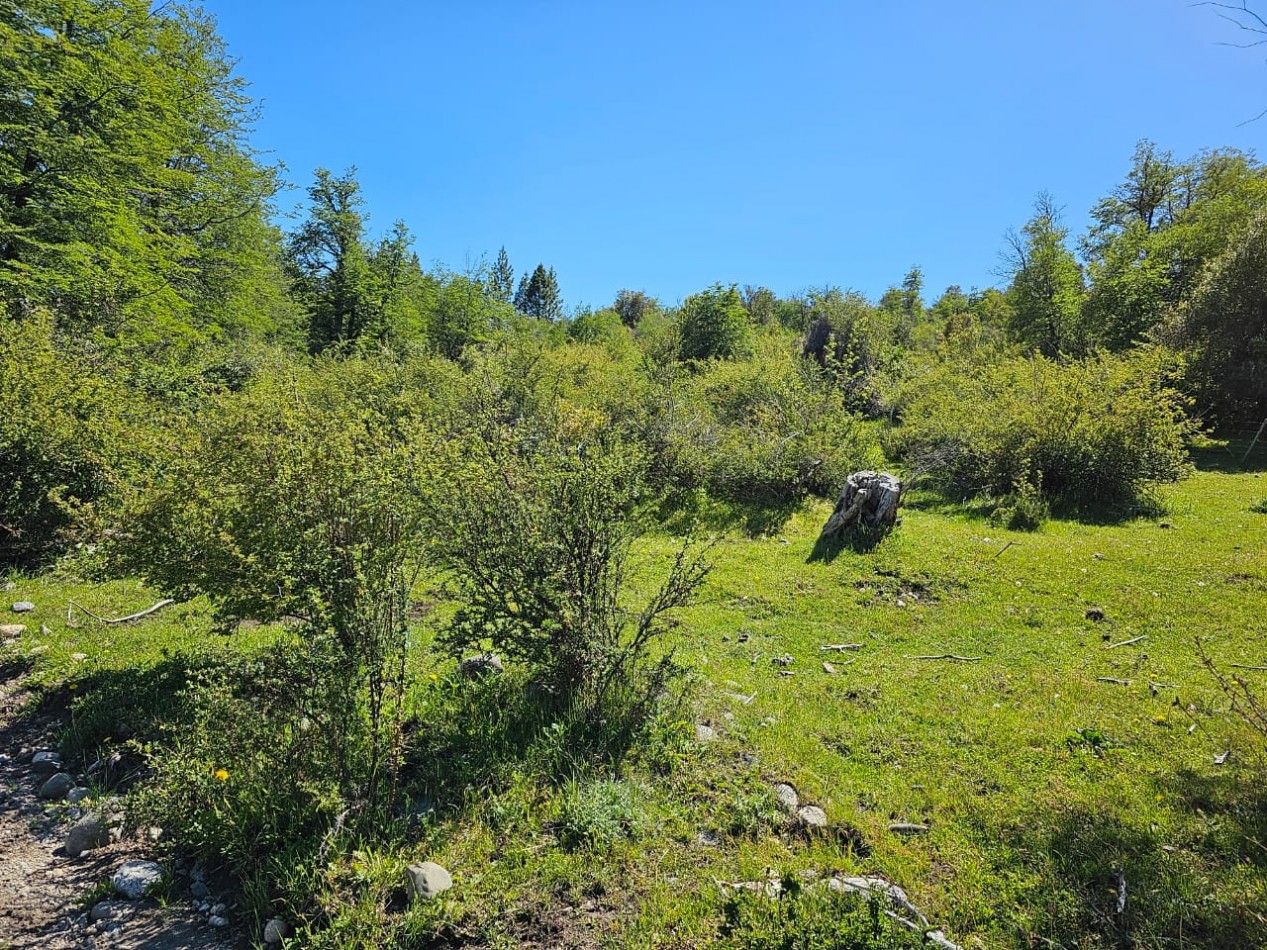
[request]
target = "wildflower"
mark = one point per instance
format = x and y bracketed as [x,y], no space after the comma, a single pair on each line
[434,677]
[220,775]
[73,686]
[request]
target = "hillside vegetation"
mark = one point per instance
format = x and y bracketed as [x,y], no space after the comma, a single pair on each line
[450,573]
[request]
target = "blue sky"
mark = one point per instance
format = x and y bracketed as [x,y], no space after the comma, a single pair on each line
[667,146]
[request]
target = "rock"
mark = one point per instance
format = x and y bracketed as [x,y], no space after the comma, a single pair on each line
[46,762]
[219,910]
[812,817]
[55,788]
[908,828]
[708,838]
[104,910]
[135,879]
[23,607]
[78,794]
[199,890]
[428,880]
[276,930]
[12,629]
[787,797]
[39,650]
[869,501]
[785,660]
[482,664]
[828,668]
[79,657]
[215,920]
[9,585]
[89,832]
[704,733]
[1094,614]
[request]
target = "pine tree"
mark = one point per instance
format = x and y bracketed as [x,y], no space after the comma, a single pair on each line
[501,282]
[538,295]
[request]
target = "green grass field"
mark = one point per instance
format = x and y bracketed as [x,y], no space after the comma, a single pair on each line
[1042,786]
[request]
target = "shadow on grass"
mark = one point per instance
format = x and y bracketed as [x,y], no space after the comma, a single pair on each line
[753,519]
[1233,457]
[1189,892]
[479,735]
[828,548]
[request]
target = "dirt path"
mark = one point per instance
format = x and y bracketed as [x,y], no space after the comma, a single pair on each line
[42,889]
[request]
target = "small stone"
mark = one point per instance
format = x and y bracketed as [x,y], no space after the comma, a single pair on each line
[203,906]
[46,762]
[1165,524]
[89,832]
[199,890]
[785,660]
[103,910]
[78,794]
[812,817]
[704,733]
[908,828]
[828,668]
[55,788]
[9,585]
[480,665]
[154,832]
[12,629]
[218,910]
[787,797]
[215,920]
[1094,614]
[39,650]
[428,880]
[23,607]
[276,930]
[708,838]
[135,879]
[79,657]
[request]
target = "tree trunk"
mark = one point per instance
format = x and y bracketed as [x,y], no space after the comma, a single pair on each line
[868,502]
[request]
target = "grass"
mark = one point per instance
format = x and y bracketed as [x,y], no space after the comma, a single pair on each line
[1042,786]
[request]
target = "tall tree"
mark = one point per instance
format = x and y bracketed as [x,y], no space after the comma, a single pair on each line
[632,306]
[501,281]
[538,295]
[714,324]
[128,191]
[1046,289]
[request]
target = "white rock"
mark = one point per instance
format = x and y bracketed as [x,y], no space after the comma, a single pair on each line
[215,920]
[428,880]
[704,733]
[23,607]
[103,910]
[135,879]
[12,629]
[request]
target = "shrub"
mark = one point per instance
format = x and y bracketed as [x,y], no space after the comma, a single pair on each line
[1100,430]
[1025,509]
[766,430]
[297,499]
[534,523]
[69,440]
[714,324]
[1259,507]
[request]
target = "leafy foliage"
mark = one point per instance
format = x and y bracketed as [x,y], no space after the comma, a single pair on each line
[714,324]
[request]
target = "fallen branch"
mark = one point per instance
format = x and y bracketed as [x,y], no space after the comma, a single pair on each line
[1004,548]
[1126,643]
[1242,666]
[840,647]
[1109,679]
[72,606]
[946,656]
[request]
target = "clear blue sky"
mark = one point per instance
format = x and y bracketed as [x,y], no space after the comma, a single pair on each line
[666,146]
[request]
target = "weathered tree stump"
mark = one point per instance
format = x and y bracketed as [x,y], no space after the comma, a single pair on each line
[868,502]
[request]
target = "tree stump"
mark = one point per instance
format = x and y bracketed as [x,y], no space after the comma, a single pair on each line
[868,502]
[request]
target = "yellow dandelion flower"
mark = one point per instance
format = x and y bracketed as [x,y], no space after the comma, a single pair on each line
[220,775]
[434,677]
[73,686]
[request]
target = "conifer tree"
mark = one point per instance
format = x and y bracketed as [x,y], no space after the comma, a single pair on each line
[538,295]
[501,282]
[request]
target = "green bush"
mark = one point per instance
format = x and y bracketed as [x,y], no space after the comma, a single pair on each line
[1100,431]
[534,523]
[70,439]
[766,430]
[714,324]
